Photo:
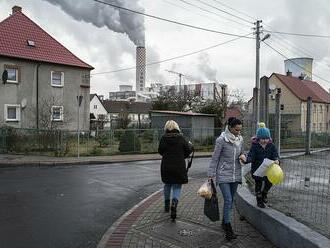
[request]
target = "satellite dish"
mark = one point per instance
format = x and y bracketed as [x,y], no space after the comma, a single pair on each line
[23,103]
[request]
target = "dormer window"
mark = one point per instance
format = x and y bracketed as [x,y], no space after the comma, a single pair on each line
[31,43]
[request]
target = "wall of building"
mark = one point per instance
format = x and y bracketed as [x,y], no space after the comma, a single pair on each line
[203,127]
[158,120]
[63,96]
[99,110]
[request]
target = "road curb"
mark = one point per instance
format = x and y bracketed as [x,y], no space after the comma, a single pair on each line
[115,235]
[8,164]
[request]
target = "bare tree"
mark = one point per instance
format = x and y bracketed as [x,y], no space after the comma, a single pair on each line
[46,113]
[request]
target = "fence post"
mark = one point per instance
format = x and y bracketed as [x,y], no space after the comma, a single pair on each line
[278,120]
[308,126]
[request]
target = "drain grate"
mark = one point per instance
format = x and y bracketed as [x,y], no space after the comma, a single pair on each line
[185,234]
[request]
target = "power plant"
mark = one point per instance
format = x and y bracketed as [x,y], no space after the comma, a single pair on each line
[299,67]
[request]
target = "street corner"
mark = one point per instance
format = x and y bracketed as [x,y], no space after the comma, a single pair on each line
[116,234]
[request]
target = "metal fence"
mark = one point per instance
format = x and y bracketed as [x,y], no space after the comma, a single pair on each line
[93,143]
[293,135]
[305,192]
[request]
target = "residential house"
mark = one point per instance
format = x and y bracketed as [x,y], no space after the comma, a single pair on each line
[136,112]
[41,78]
[294,94]
[99,117]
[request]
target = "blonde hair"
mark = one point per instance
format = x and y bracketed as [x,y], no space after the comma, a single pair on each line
[171,125]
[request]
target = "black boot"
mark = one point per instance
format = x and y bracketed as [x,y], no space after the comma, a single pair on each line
[264,197]
[167,206]
[223,225]
[260,202]
[229,233]
[173,208]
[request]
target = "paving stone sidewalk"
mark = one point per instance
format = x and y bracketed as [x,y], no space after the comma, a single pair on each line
[148,226]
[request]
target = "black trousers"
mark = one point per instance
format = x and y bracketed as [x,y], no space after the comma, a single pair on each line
[258,185]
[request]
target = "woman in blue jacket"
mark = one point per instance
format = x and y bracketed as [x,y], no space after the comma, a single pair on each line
[260,149]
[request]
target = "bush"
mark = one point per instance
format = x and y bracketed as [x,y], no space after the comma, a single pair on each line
[103,139]
[148,135]
[129,142]
[96,151]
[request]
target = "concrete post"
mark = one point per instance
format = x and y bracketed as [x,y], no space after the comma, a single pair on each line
[255,115]
[308,126]
[264,103]
[278,120]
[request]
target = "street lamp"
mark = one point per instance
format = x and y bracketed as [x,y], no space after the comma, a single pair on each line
[265,37]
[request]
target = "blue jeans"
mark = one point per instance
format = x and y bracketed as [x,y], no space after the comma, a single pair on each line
[176,191]
[228,191]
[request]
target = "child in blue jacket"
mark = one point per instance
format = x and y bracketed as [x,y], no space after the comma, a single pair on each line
[262,147]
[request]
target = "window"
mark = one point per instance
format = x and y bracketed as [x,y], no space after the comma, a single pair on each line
[12,112]
[13,73]
[57,113]
[95,106]
[57,78]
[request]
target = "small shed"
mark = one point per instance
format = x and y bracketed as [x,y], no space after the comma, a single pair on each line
[195,126]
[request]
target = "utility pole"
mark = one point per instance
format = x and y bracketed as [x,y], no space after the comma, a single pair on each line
[257,103]
[256,110]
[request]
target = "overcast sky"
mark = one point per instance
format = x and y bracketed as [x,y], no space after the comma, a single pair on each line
[106,38]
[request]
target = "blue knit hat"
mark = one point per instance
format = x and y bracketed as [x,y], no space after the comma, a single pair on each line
[263,133]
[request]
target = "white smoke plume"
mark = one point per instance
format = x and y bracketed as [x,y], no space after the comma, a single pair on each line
[205,67]
[101,15]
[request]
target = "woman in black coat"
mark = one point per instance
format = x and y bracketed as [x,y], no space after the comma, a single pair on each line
[174,149]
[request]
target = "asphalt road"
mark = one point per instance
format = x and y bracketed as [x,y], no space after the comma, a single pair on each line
[73,206]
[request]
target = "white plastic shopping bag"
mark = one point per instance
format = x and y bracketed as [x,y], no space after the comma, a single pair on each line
[261,171]
[205,190]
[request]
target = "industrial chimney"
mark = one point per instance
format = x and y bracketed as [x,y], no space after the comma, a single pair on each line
[140,68]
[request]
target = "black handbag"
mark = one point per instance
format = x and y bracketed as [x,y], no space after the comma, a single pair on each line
[211,206]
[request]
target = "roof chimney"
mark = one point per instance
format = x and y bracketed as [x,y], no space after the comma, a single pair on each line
[16,9]
[289,73]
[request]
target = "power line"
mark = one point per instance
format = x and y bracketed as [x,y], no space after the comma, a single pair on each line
[240,12]
[299,34]
[173,58]
[170,21]
[299,50]
[226,12]
[205,10]
[206,16]
[292,61]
